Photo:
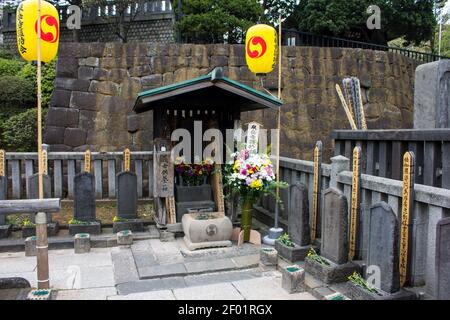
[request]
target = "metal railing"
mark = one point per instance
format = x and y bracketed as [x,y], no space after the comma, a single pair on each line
[292,37]
[141,10]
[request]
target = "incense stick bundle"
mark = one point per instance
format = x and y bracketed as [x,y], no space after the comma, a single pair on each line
[353,98]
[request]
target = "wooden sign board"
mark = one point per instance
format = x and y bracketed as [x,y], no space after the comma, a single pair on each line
[316,188]
[126,160]
[44,162]
[252,137]
[217,186]
[164,175]
[87,161]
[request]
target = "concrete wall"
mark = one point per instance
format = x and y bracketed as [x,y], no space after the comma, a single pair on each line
[97,83]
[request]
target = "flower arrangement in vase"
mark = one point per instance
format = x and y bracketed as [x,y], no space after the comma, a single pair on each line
[251,176]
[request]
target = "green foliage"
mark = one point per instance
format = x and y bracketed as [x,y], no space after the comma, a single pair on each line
[5,53]
[10,67]
[412,19]
[78,222]
[48,74]
[286,240]
[19,132]
[273,8]
[16,92]
[360,282]
[212,21]
[27,223]
[312,254]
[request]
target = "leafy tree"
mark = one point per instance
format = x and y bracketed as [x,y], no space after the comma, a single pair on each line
[216,21]
[16,92]
[48,74]
[273,8]
[9,67]
[412,19]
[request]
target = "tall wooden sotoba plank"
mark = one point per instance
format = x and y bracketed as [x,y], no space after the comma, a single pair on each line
[111,178]
[16,179]
[70,176]
[28,172]
[98,173]
[139,172]
[57,178]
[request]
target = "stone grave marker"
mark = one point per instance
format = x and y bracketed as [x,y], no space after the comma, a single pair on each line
[127,197]
[383,246]
[443,259]
[335,227]
[84,197]
[298,216]
[33,186]
[3,190]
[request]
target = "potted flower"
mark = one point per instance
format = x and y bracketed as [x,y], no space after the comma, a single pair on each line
[251,176]
[192,180]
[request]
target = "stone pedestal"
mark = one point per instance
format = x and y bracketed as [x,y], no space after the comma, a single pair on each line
[125,238]
[358,293]
[292,254]
[30,246]
[268,257]
[82,243]
[135,225]
[52,230]
[166,236]
[93,227]
[206,230]
[332,273]
[293,279]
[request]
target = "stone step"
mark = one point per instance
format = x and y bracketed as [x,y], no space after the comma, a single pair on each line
[182,269]
[170,283]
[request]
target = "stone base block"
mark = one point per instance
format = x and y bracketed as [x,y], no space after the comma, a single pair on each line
[91,228]
[166,236]
[135,225]
[268,257]
[332,273]
[204,245]
[5,231]
[207,230]
[293,279]
[292,254]
[357,293]
[30,247]
[82,243]
[52,230]
[125,238]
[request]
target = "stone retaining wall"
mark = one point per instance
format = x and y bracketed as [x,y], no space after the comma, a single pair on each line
[97,83]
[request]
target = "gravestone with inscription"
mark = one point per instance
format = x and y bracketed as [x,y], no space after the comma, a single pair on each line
[334,246]
[127,200]
[84,205]
[443,259]
[382,262]
[298,225]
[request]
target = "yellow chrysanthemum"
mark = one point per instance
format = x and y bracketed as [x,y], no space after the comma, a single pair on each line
[256,184]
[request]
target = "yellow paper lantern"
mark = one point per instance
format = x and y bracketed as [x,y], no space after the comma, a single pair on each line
[261,48]
[26,30]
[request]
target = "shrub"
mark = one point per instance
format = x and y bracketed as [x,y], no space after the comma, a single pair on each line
[5,53]
[16,92]
[48,73]
[9,67]
[19,132]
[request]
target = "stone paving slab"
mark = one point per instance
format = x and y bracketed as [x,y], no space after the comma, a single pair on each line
[151,295]
[86,294]
[267,288]
[209,266]
[151,285]
[124,266]
[228,276]
[170,270]
[246,261]
[221,291]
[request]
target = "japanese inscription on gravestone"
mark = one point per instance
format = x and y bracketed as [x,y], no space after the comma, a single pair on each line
[164,175]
